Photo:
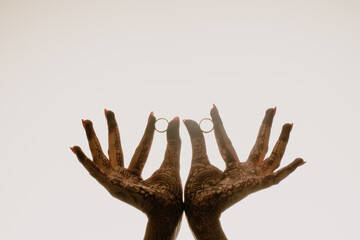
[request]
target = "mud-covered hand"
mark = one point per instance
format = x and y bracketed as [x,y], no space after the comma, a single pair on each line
[210,191]
[160,196]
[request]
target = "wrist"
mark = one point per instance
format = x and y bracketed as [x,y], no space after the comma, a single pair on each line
[205,225]
[163,227]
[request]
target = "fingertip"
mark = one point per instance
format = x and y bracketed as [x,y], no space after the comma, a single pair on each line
[87,123]
[191,125]
[269,116]
[285,133]
[300,161]
[193,128]
[76,149]
[73,150]
[287,126]
[79,153]
[151,116]
[174,122]
[109,114]
[189,122]
[151,122]
[173,129]
[297,162]
[214,111]
[89,130]
[185,121]
[270,111]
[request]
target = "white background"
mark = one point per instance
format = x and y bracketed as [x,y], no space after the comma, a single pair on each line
[61,61]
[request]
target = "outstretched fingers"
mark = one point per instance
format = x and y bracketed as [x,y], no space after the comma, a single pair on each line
[95,147]
[226,148]
[115,151]
[273,161]
[278,176]
[199,154]
[172,153]
[92,168]
[260,148]
[142,151]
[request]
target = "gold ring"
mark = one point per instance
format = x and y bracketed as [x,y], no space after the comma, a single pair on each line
[208,120]
[157,121]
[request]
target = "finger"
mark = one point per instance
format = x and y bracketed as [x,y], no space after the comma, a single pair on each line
[273,162]
[260,148]
[142,151]
[172,153]
[92,168]
[199,154]
[115,151]
[226,148]
[278,176]
[95,147]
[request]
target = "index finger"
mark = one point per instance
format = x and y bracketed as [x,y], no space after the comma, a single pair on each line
[199,154]
[142,151]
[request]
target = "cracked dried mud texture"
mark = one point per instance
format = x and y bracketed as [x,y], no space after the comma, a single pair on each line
[159,196]
[210,191]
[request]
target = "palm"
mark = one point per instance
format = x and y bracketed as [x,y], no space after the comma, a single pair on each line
[159,193]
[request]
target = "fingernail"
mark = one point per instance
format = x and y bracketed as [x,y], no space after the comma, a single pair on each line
[274,110]
[184,120]
[176,118]
[292,124]
[215,108]
[73,150]
[105,111]
[83,122]
[150,116]
[302,163]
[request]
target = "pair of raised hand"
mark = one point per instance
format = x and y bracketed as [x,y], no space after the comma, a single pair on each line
[208,190]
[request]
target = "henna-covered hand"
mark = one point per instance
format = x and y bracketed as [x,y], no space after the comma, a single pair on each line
[210,191]
[160,196]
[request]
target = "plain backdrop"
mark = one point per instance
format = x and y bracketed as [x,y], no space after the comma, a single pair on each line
[63,61]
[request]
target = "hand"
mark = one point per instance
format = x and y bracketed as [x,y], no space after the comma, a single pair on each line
[160,196]
[210,191]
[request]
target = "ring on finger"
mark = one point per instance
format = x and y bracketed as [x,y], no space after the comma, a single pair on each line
[161,119]
[206,119]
